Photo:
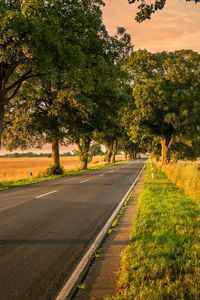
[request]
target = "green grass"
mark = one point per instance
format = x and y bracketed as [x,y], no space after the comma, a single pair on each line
[116,220]
[13,184]
[162,260]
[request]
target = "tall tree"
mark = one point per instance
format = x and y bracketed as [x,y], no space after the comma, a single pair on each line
[166,92]
[30,46]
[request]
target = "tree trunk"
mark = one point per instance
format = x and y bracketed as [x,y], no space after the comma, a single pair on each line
[55,152]
[166,144]
[109,155]
[132,154]
[2,112]
[113,155]
[84,164]
[126,154]
[84,148]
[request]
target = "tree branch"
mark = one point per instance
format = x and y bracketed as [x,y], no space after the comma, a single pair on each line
[26,76]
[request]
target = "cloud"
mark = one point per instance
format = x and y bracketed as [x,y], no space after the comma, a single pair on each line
[175,27]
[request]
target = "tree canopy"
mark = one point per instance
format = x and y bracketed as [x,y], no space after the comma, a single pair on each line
[166,93]
[147,8]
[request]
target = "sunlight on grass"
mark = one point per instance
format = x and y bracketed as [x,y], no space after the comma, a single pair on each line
[162,259]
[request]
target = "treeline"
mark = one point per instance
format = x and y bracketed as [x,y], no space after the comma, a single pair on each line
[65,80]
[31,154]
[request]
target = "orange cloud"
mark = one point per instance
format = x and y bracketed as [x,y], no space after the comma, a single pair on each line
[175,27]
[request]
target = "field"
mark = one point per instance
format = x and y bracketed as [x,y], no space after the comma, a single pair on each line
[12,169]
[186,176]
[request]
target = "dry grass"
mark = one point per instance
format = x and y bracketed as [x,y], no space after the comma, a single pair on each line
[12,169]
[186,176]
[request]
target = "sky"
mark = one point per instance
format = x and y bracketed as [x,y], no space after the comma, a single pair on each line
[175,27]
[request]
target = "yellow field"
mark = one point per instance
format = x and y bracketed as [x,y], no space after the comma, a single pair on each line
[19,168]
[186,175]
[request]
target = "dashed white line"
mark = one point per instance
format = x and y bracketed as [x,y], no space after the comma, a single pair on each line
[84,180]
[101,174]
[43,195]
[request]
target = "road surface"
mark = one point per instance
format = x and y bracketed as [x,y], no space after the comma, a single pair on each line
[46,228]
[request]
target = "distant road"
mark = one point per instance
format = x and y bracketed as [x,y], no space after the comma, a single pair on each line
[46,228]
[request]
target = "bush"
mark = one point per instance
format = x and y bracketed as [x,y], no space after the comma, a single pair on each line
[54,170]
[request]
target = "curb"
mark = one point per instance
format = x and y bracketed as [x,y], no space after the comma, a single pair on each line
[79,272]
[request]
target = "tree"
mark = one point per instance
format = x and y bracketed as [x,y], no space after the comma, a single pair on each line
[52,98]
[166,92]
[31,46]
[34,118]
[104,56]
[147,9]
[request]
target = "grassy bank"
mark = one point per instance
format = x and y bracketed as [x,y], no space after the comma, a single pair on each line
[162,259]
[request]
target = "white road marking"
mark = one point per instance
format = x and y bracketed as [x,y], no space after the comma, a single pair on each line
[101,174]
[84,180]
[25,201]
[40,196]
[111,171]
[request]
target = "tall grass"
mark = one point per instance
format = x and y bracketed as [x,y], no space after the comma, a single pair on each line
[162,260]
[186,176]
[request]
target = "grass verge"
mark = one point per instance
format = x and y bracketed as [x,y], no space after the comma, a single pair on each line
[162,260]
[12,184]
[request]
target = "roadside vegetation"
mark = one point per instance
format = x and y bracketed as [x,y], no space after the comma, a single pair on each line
[22,175]
[161,261]
[13,169]
[186,176]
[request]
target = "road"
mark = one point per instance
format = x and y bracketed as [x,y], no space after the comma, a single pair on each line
[46,228]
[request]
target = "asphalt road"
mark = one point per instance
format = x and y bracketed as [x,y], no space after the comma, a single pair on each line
[46,228]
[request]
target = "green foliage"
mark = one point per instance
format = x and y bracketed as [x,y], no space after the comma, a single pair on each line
[166,95]
[162,259]
[30,42]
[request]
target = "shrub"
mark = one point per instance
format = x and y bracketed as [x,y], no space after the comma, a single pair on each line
[54,170]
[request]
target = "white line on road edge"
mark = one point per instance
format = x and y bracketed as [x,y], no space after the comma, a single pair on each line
[84,180]
[81,267]
[46,194]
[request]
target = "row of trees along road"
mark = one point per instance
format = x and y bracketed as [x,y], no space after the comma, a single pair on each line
[61,76]
[65,80]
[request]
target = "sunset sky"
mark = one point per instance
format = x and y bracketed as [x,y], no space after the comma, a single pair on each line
[177,26]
